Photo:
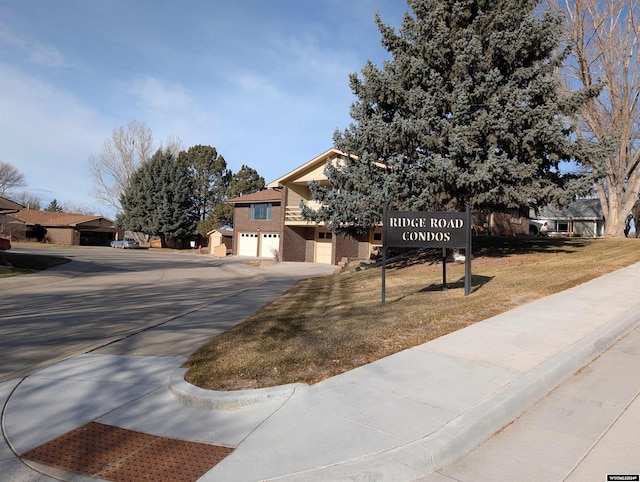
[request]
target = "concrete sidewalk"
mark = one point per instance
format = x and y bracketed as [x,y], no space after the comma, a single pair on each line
[401,418]
[584,430]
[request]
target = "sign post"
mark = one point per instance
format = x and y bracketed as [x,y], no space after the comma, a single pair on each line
[467,255]
[444,269]
[384,254]
[422,229]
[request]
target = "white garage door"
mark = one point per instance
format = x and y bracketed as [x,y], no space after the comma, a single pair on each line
[270,245]
[248,244]
[323,247]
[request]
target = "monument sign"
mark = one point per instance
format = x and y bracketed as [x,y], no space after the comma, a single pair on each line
[424,229]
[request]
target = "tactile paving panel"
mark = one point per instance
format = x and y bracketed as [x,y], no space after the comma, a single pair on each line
[112,453]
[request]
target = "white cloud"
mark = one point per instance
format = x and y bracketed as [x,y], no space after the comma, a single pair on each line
[171,111]
[256,85]
[160,97]
[38,53]
[48,135]
[35,109]
[264,84]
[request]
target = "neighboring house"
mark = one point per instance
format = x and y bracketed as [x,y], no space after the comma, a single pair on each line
[8,206]
[58,228]
[583,217]
[257,223]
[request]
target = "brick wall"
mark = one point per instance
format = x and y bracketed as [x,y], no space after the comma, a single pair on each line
[297,243]
[242,222]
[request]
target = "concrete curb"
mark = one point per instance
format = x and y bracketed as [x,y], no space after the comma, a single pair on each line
[462,434]
[197,397]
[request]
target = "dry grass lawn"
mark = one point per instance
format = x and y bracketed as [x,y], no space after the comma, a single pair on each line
[325,326]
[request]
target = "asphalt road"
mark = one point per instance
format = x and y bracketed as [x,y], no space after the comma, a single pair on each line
[123,302]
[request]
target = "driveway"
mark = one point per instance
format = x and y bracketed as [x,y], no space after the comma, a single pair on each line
[138,302]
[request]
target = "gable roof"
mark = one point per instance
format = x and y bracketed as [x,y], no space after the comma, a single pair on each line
[580,209]
[265,195]
[312,170]
[52,219]
[9,205]
[222,231]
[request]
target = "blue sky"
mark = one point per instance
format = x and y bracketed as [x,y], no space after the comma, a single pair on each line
[263,81]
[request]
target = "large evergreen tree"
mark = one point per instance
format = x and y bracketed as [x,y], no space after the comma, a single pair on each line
[210,176]
[245,181]
[159,199]
[53,206]
[467,110]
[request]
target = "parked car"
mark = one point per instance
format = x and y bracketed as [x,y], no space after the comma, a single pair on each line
[125,243]
[538,227]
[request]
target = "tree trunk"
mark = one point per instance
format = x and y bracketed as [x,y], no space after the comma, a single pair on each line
[606,42]
[616,207]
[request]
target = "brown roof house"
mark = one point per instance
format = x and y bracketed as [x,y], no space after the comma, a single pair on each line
[310,241]
[7,206]
[269,223]
[257,224]
[58,228]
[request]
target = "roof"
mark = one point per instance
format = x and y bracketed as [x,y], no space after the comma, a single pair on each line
[222,231]
[8,205]
[261,196]
[51,218]
[312,170]
[585,209]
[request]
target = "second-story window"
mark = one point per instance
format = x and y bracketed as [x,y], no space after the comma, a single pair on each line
[261,211]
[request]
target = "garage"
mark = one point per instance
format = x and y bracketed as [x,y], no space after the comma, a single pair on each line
[269,245]
[324,247]
[248,244]
[96,238]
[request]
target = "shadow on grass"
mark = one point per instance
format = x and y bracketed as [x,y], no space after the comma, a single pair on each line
[34,261]
[287,328]
[477,282]
[500,246]
[485,246]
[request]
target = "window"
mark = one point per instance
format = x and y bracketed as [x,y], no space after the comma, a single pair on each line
[323,235]
[261,211]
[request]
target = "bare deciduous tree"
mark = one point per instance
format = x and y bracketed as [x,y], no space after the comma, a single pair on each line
[173,144]
[10,178]
[605,36]
[122,153]
[29,201]
[69,207]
